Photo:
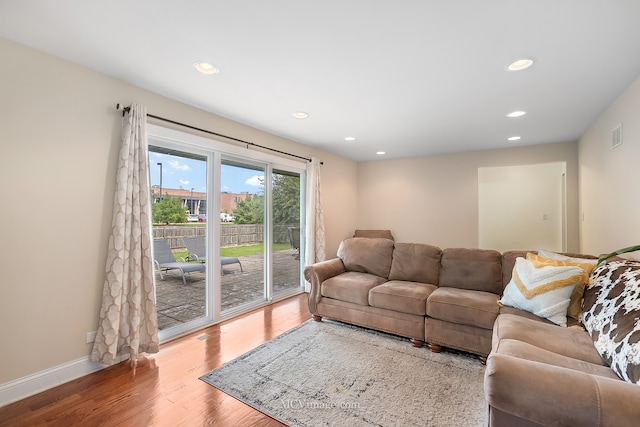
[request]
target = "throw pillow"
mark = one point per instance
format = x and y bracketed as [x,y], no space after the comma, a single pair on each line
[553,255]
[367,255]
[612,316]
[575,305]
[544,290]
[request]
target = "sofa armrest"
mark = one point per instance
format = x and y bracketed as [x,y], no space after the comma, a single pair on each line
[551,395]
[318,273]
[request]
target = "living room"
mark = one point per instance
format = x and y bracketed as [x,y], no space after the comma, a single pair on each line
[60,131]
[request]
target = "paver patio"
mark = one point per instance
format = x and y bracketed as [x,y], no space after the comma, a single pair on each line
[178,303]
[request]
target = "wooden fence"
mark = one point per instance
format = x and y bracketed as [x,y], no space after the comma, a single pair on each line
[231,235]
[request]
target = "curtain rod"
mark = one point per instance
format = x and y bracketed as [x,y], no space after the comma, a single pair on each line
[253,144]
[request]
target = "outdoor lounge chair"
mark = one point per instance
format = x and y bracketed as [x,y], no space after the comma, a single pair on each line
[197,252]
[294,240]
[164,260]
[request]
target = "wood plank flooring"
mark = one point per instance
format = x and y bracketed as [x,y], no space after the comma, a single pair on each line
[165,389]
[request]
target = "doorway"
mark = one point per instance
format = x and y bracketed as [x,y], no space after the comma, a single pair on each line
[522,207]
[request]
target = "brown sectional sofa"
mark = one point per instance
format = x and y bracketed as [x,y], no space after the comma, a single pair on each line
[538,373]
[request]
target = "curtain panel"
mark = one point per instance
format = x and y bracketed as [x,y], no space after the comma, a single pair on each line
[314,232]
[128,321]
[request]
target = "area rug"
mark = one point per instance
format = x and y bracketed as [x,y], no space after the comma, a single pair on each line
[333,374]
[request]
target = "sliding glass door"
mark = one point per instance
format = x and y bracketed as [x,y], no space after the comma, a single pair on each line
[232,219]
[242,233]
[179,209]
[286,214]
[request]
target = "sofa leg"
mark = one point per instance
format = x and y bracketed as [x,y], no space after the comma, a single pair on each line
[416,343]
[434,348]
[317,318]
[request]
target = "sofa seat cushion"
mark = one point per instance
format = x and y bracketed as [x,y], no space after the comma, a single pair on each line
[505,309]
[405,297]
[351,286]
[464,307]
[523,350]
[570,342]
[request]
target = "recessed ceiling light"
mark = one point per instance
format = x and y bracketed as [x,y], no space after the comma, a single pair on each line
[380,153]
[206,67]
[513,138]
[520,64]
[350,138]
[516,114]
[300,115]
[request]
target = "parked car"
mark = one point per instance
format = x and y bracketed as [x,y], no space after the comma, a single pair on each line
[192,218]
[202,218]
[226,217]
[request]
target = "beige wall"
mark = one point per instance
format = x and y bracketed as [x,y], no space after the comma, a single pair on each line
[434,199]
[609,187]
[59,142]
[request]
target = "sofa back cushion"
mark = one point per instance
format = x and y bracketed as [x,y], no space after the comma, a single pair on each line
[508,262]
[382,234]
[367,255]
[416,262]
[612,316]
[473,269]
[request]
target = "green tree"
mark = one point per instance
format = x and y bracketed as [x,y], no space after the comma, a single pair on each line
[249,210]
[286,199]
[168,210]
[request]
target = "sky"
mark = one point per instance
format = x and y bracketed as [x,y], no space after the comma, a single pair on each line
[185,173]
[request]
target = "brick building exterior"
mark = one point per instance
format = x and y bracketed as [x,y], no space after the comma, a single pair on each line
[195,201]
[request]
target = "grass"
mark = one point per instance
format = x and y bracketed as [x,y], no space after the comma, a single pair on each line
[240,251]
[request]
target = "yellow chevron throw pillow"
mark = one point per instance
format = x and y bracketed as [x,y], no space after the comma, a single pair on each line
[575,306]
[541,289]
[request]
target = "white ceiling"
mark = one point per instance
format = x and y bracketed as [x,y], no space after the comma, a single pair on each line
[406,77]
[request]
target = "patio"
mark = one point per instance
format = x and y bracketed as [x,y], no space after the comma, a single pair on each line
[178,303]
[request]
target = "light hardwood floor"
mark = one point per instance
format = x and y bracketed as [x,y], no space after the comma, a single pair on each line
[165,389]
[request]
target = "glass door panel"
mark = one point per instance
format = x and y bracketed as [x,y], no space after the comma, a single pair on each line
[285,195]
[179,210]
[242,234]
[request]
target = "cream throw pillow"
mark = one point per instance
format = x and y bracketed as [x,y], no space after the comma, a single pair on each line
[575,305]
[553,255]
[544,290]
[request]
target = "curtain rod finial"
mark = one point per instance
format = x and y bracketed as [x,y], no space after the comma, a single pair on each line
[121,107]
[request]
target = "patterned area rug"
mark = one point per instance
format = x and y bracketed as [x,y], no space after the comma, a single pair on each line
[330,373]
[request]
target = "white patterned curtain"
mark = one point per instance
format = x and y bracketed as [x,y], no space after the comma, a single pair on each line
[315,242]
[128,321]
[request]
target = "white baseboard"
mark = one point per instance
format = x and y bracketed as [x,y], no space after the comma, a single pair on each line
[32,384]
